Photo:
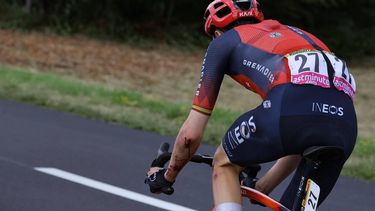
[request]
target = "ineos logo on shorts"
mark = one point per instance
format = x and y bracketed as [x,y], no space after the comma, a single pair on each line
[328,109]
[244,130]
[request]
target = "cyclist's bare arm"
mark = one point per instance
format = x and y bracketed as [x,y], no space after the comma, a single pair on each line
[279,171]
[187,143]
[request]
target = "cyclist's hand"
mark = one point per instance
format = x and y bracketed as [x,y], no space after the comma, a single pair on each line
[157,182]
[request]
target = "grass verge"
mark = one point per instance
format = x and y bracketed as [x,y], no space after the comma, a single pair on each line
[362,162]
[93,100]
[97,101]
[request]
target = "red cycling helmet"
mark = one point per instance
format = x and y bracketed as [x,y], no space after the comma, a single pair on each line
[221,13]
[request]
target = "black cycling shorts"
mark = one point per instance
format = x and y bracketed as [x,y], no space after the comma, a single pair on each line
[291,119]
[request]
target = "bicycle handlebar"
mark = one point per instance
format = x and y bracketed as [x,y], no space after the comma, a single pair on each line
[247,175]
[164,156]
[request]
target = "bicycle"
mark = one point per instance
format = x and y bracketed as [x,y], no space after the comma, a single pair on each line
[308,191]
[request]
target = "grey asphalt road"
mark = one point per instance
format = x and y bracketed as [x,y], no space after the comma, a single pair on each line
[109,164]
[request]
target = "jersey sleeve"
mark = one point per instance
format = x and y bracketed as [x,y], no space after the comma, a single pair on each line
[214,67]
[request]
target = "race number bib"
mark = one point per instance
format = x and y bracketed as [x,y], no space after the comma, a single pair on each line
[343,80]
[310,67]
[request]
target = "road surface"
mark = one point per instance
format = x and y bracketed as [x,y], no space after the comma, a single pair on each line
[57,161]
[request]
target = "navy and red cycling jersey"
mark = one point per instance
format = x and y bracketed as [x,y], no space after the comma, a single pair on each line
[264,55]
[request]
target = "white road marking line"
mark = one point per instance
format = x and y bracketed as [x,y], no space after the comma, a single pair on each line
[112,189]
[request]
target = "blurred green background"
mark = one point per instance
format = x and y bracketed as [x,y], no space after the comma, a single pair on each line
[347,26]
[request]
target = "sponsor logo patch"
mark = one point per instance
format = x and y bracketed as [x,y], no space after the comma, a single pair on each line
[267,104]
[241,133]
[328,109]
[275,34]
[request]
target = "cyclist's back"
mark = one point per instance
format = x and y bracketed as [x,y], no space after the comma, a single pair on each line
[262,56]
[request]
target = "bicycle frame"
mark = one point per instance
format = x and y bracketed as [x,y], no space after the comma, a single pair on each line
[262,198]
[250,193]
[255,195]
[275,205]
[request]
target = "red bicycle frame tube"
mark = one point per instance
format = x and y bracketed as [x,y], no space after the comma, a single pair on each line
[262,198]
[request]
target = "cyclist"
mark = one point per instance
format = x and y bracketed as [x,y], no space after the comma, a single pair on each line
[307,97]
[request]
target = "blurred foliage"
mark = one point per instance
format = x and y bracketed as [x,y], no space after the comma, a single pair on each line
[346,26]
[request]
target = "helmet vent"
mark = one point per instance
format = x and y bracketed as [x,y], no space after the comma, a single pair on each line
[223,12]
[244,4]
[206,14]
[219,4]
